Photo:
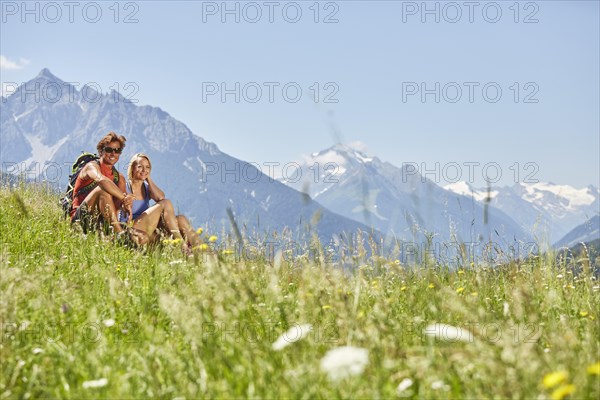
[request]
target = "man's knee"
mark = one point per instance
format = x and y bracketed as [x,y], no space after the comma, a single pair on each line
[105,196]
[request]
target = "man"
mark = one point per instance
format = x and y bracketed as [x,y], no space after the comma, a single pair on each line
[100,188]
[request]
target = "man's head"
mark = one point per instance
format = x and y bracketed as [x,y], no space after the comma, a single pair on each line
[110,148]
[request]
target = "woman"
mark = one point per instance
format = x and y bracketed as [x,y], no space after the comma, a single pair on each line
[148,218]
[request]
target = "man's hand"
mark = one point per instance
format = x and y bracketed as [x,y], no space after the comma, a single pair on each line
[126,205]
[127,201]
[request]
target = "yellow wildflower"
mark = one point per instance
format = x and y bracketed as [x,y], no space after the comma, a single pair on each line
[326,307]
[554,378]
[562,392]
[199,231]
[227,251]
[431,286]
[212,239]
[403,288]
[460,272]
[594,369]
[203,247]
[583,313]
[460,290]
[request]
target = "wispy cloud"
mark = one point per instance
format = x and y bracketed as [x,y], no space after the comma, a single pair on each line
[7,64]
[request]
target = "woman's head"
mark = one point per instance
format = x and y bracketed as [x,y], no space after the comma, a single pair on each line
[139,167]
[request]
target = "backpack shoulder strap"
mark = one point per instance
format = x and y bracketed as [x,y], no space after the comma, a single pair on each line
[115,175]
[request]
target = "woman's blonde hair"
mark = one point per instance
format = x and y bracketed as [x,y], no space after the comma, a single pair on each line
[133,163]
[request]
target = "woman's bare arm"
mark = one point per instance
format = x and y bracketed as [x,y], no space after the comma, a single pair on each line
[156,193]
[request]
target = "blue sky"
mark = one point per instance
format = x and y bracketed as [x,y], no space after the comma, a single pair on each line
[372,60]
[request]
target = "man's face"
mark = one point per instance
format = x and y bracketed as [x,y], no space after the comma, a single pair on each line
[111,153]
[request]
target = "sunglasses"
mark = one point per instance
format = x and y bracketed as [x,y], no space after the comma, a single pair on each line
[111,150]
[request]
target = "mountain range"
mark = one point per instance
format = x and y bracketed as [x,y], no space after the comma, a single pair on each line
[399,201]
[41,137]
[547,210]
[342,190]
[587,232]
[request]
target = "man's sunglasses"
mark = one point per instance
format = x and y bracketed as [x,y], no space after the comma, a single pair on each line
[111,150]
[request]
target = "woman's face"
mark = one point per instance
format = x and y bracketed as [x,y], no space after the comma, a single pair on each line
[141,169]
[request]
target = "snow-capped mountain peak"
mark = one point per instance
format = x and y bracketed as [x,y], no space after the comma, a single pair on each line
[466,189]
[569,196]
[549,209]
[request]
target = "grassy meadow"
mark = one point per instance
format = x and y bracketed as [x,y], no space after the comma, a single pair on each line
[81,317]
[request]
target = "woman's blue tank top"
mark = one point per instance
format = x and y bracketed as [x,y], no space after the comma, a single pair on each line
[138,206]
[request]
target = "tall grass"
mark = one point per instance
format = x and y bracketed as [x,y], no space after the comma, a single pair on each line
[84,318]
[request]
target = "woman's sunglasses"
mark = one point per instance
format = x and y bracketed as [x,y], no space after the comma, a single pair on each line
[111,150]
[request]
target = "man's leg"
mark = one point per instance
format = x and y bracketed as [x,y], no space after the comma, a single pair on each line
[103,203]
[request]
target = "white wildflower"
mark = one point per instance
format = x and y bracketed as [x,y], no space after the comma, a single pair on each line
[448,333]
[405,384]
[98,383]
[37,350]
[108,322]
[294,334]
[344,362]
[437,385]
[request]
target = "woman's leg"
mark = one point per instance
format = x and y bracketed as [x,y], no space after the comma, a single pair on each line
[149,219]
[187,231]
[170,221]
